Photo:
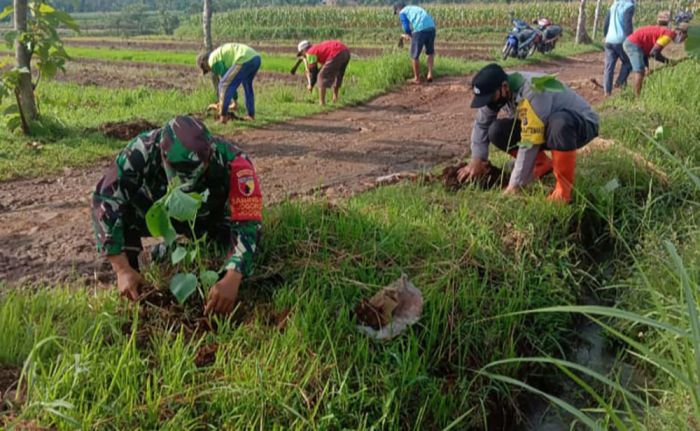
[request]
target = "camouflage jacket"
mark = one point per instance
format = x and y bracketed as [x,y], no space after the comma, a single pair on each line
[137,179]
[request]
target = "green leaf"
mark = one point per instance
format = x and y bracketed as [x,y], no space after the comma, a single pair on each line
[182,286]
[208,278]
[179,254]
[692,43]
[547,83]
[46,9]
[158,223]
[659,133]
[182,207]
[6,12]
[525,144]
[192,256]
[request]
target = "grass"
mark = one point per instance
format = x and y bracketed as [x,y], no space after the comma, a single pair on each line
[320,372]
[479,257]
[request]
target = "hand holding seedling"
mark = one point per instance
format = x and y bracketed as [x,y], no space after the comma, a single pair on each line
[223,294]
[475,169]
[128,279]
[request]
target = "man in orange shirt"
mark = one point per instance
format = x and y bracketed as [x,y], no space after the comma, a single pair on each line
[648,42]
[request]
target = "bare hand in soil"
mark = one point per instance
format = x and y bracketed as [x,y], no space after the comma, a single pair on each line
[475,169]
[223,295]
[128,282]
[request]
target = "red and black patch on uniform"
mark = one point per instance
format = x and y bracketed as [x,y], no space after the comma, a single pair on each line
[245,195]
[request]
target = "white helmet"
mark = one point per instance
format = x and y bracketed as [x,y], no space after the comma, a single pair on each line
[304,44]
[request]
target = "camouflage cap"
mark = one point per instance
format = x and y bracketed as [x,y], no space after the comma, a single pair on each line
[186,144]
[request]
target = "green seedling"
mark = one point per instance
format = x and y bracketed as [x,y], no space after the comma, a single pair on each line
[183,207]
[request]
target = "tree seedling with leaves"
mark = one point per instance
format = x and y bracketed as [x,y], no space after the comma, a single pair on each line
[183,207]
[41,41]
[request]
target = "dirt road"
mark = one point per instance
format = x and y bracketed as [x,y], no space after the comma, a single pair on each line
[45,232]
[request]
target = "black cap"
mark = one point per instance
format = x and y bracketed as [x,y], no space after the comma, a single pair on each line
[485,83]
[398,6]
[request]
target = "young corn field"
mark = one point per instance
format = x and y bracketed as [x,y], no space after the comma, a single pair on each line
[378,24]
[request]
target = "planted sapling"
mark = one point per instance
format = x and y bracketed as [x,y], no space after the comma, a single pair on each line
[183,207]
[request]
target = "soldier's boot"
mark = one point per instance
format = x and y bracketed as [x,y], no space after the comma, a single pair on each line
[543,164]
[564,164]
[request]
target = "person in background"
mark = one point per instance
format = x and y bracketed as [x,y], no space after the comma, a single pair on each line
[648,42]
[663,18]
[419,28]
[535,121]
[618,25]
[332,57]
[235,64]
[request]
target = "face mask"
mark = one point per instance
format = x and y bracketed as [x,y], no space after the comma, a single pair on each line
[498,104]
[678,38]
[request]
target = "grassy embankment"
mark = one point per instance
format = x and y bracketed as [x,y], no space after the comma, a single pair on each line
[475,254]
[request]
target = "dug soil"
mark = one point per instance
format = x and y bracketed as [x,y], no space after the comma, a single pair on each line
[158,76]
[45,222]
[126,130]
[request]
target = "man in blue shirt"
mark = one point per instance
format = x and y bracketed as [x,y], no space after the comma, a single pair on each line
[419,28]
[618,25]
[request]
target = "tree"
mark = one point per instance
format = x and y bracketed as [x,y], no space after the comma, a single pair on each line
[581,33]
[24,91]
[208,45]
[35,35]
[596,19]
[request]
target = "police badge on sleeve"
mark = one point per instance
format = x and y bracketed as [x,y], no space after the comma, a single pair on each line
[245,193]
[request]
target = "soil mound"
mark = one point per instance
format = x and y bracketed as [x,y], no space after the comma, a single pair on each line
[126,130]
[494,178]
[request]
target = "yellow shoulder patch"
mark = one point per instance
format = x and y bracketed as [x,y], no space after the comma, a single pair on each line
[663,40]
[532,128]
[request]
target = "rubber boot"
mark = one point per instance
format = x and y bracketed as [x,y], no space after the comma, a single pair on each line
[564,164]
[543,164]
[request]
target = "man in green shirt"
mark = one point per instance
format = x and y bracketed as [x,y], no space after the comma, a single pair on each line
[236,64]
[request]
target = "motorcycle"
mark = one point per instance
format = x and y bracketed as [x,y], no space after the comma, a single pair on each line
[549,35]
[520,40]
[524,40]
[683,16]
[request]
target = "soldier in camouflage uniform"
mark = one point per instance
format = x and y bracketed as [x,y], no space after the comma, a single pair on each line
[231,216]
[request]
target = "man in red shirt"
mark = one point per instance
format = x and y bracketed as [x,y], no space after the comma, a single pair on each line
[648,42]
[332,57]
